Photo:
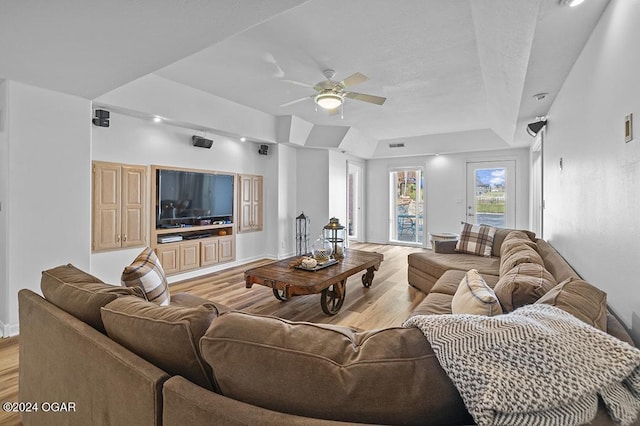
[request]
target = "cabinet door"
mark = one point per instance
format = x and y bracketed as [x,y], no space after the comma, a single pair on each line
[133,206]
[256,203]
[250,203]
[226,249]
[168,255]
[106,206]
[189,255]
[208,252]
[245,210]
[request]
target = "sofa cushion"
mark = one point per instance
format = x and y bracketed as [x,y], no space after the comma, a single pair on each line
[516,239]
[434,304]
[516,252]
[501,234]
[146,273]
[388,376]
[81,294]
[554,262]
[436,264]
[523,285]
[450,281]
[167,336]
[580,299]
[476,239]
[475,297]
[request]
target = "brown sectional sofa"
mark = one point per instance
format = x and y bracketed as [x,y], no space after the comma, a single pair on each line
[136,363]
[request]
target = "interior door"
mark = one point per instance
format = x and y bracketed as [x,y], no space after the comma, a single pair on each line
[354,201]
[491,196]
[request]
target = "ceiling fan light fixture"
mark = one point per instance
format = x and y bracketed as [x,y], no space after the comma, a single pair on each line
[329,100]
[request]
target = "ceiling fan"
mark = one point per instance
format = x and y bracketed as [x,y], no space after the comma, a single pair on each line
[331,94]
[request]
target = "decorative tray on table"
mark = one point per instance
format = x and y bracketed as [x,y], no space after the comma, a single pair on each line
[319,266]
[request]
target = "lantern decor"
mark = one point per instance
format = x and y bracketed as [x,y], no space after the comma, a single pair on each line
[335,234]
[302,234]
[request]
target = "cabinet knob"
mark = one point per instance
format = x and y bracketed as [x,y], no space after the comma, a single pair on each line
[118,238]
[125,238]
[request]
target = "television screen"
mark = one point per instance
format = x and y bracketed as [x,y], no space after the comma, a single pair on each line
[192,195]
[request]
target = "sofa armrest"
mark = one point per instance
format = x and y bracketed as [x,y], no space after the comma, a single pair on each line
[63,359]
[445,247]
[185,403]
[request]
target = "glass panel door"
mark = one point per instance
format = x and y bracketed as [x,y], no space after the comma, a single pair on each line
[491,193]
[407,206]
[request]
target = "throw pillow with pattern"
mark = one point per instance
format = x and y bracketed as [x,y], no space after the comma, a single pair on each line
[476,239]
[146,272]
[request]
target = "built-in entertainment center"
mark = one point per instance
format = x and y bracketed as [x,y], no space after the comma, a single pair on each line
[192,219]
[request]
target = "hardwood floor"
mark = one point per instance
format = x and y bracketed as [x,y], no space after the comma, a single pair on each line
[386,303]
[9,378]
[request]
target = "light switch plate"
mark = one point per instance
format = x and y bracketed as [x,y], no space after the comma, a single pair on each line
[628,128]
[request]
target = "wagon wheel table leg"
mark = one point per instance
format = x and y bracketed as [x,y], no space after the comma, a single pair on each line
[280,294]
[367,278]
[332,298]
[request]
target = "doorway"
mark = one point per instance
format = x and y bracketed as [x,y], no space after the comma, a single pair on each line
[407,206]
[491,193]
[354,201]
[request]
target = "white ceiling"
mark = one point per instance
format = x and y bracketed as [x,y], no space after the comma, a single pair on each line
[445,66]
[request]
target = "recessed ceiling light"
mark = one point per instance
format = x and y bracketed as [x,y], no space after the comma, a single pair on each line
[572,3]
[243,139]
[157,119]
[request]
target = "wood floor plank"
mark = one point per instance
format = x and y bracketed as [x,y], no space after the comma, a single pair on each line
[387,303]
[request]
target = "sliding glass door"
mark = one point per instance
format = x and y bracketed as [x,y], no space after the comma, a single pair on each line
[407,206]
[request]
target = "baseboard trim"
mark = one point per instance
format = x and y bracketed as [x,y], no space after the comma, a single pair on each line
[9,330]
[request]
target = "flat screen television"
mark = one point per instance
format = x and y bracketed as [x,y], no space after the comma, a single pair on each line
[185,196]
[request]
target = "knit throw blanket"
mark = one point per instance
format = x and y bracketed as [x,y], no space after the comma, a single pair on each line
[537,365]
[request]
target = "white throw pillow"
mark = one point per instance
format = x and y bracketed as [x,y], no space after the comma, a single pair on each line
[474,296]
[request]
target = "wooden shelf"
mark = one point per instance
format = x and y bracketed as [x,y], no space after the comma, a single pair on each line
[182,229]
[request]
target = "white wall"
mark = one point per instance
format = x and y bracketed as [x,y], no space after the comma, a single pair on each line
[47,197]
[445,190]
[138,141]
[592,205]
[312,192]
[287,209]
[4,194]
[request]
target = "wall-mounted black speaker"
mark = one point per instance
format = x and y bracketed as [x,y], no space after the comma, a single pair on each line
[102,118]
[201,142]
[263,150]
[534,128]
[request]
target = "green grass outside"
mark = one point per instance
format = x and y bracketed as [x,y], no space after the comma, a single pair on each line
[488,203]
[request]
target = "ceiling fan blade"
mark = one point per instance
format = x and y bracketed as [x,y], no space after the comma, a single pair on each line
[297,83]
[378,100]
[296,101]
[354,79]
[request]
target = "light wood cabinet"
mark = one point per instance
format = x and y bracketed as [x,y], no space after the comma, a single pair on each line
[169,257]
[209,252]
[189,255]
[119,206]
[226,249]
[250,200]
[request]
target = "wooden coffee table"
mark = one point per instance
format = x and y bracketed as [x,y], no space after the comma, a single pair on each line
[287,281]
